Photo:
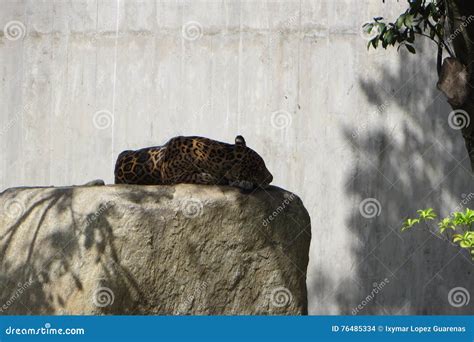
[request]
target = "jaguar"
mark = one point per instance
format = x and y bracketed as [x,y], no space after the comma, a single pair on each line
[195,160]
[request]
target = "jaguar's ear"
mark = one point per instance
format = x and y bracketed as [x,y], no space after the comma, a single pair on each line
[239,140]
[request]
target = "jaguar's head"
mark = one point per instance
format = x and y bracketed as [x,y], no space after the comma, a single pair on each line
[248,169]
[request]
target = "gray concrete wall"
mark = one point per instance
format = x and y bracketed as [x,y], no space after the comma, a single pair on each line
[336,124]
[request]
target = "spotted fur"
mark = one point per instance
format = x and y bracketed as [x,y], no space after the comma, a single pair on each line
[194,160]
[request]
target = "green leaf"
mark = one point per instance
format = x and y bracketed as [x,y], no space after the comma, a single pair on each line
[427,214]
[400,21]
[457,238]
[405,228]
[389,37]
[446,223]
[368,27]
[409,223]
[409,20]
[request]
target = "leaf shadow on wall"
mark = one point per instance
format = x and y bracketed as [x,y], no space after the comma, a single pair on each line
[422,164]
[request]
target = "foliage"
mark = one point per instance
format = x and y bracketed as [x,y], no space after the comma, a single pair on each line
[423,17]
[458,227]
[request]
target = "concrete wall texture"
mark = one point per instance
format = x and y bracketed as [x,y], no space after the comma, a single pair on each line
[362,136]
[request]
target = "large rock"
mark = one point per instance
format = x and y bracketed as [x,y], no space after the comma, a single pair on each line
[184,249]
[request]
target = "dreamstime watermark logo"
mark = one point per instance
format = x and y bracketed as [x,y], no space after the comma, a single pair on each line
[287,24]
[284,27]
[458,297]
[376,288]
[370,208]
[93,38]
[466,198]
[192,30]
[14,30]
[281,297]
[458,119]
[281,119]
[279,209]
[461,28]
[14,208]
[372,116]
[46,330]
[191,208]
[9,124]
[103,296]
[103,119]
[18,292]
[103,207]
[190,299]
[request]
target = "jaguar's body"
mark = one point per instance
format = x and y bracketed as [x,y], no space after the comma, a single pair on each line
[193,160]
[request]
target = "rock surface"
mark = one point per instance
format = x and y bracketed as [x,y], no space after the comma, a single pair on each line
[184,249]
